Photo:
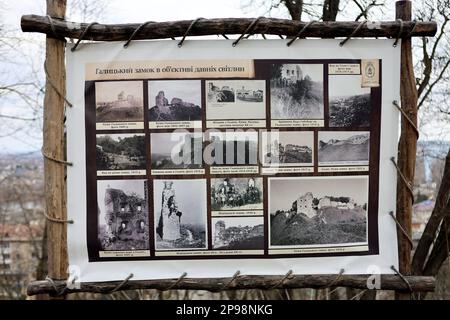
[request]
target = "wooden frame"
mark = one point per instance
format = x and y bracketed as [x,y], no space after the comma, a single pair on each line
[56,29]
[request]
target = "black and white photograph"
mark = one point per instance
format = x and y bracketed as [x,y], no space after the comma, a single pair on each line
[296,91]
[237,193]
[174,100]
[221,91]
[121,152]
[235,99]
[119,101]
[307,211]
[176,150]
[349,102]
[288,148]
[123,215]
[238,233]
[180,214]
[344,148]
[233,148]
[250,91]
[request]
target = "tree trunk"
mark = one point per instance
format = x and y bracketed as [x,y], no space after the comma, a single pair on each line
[295,9]
[423,259]
[330,10]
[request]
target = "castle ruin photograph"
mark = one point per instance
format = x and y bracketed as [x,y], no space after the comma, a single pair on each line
[180,214]
[175,100]
[123,215]
[238,233]
[118,101]
[288,148]
[296,91]
[318,210]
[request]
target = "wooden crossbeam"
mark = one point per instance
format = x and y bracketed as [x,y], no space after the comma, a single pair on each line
[164,30]
[387,282]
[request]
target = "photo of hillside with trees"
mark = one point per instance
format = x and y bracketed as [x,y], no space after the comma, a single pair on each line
[121,152]
[350,111]
[349,102]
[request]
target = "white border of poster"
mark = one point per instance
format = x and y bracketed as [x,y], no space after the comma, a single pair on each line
[222,49]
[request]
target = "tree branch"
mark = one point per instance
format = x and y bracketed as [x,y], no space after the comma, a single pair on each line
[440,211]
[424,86]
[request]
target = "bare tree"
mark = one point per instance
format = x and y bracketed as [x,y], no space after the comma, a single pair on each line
[432,69]
[86,10]
[330,10]
[22,79]
[325,10]
[21,224]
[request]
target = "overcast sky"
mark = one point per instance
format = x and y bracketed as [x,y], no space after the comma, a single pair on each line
[117,11]
[13,138]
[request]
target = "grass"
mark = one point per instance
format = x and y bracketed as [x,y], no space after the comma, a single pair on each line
[298,229]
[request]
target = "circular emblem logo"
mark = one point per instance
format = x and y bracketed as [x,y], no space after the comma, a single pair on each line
[370,70]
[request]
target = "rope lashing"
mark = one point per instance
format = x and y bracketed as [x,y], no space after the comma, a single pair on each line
[299,34]
[400,31]
[249,29]
[180,44]
[139,28]
[121,284]
[83,34]
[361,24]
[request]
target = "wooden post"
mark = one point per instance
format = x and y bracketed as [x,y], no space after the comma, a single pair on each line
[407,145]
[54,172]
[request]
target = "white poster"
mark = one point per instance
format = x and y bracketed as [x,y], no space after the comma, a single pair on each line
[209,158]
